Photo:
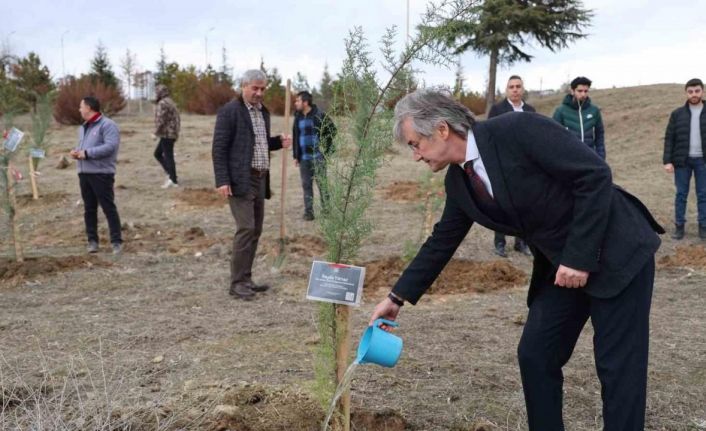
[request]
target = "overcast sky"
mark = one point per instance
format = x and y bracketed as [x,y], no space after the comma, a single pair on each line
[632,42]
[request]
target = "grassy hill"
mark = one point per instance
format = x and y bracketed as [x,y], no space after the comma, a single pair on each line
[635,119]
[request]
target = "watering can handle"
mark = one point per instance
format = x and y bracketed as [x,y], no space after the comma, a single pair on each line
[385,321]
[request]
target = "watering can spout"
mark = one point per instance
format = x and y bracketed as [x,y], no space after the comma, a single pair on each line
[378,346]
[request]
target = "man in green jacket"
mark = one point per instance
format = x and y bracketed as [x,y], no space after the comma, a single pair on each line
[578,115]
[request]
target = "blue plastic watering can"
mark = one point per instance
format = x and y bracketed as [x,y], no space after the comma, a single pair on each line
[378,346]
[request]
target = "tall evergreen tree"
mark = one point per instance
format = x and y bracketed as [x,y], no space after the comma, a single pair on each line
[225,74]
[161,66]
[10,102]
[101,70]
[300,83]
[326,89]
[501,29]
[31,79]
[275,95]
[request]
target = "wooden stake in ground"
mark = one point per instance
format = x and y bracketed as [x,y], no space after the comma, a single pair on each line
[343,348]
[15,233]
[33,178]
[283,194]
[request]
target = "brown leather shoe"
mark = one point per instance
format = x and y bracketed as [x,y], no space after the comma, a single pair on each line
[242,291]
[258,287]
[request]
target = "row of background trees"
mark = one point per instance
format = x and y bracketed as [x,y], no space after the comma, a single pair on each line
[498,29]
[24,80]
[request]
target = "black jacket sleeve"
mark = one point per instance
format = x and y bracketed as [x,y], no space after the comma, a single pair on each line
[494,111]
[223,135]
[328,134]
[296,151]
[274,143]
[599,136]
[435,253]
[669,135]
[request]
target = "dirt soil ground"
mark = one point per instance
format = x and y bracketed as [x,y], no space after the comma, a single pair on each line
[151,340]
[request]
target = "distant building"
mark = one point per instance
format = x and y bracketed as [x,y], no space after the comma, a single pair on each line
[143,86]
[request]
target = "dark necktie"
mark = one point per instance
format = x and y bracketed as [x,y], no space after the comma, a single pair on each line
[477,184]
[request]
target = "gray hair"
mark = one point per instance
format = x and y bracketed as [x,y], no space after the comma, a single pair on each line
[252,75]
[428,109]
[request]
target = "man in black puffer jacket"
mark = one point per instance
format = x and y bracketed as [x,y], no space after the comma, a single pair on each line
[684,149]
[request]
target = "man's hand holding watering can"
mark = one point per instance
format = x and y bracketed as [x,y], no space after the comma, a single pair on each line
[388,309]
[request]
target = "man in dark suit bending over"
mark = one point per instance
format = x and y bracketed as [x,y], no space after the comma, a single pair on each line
[593,245]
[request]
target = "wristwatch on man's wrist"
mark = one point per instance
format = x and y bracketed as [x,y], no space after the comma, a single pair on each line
[395,299]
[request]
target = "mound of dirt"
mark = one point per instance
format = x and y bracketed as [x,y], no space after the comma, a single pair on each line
[387,420]
[261,408]
[35,266]
[692,256]
[306,245]
[459,276]
[301,245]
[202,197]
[403,191]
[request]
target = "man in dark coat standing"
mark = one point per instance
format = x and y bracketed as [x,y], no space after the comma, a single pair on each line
[313,132]
[513,102]
[593,246]
[241,163]
[684,151]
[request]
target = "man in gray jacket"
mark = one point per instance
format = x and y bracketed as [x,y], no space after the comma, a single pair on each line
[96,155]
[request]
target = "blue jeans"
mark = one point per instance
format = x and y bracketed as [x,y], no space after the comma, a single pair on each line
[682,179]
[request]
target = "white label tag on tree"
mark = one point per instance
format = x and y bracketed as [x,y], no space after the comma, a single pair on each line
[36,153]
[14,137]
[335,282]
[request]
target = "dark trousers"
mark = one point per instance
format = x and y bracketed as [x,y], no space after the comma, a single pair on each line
[98,189]
[621,325]
[500,240]
[682,179]
[309,171]
[164,153]
[249,213]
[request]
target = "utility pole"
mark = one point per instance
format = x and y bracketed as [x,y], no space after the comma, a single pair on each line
[63,64]
[406,40]
[205,38]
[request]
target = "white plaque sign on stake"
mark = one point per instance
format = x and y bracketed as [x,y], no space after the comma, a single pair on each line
[37,153]
[14,137]
[336,282]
